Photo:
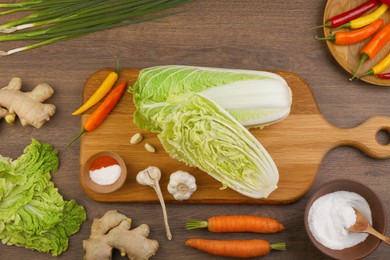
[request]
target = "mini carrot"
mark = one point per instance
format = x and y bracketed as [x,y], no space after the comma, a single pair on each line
[101,91]
[366,19]
[235,248]
[354,36]
[373,46]
[378,68]
[235,223]
[98,116]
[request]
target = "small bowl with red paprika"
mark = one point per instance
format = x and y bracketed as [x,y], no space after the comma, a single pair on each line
[104,172]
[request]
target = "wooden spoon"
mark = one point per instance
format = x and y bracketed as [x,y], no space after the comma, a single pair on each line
[362,225]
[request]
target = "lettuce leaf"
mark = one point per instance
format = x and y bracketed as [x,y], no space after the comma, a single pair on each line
[32,212]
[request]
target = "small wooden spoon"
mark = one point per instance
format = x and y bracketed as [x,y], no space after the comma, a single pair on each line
[362,225]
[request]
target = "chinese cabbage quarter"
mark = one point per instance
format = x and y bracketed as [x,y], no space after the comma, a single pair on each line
[32,212]
[253,98]
[199,132]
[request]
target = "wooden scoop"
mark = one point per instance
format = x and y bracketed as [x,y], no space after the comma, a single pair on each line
[362,225]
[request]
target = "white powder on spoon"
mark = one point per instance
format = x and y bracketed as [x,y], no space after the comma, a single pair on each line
[331,215]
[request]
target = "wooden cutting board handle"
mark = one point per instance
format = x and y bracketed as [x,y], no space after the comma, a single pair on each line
[365,137]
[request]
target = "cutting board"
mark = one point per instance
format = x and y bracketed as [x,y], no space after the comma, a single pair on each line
[297,144]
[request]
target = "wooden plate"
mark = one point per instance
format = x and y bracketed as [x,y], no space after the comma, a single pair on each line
[348,56]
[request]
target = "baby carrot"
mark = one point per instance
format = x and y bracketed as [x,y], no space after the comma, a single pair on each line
[102,90]
[235,248]
[235,223]
[98,116]
[354,36]
[373,46]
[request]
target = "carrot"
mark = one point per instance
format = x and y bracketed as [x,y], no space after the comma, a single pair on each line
[373,46]
[235,248]
[237,223]
[102,111]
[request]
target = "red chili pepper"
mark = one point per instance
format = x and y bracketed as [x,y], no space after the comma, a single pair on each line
[354,36]
[350,15]
[383,75]
[98,116]
[374,46]
[385,2]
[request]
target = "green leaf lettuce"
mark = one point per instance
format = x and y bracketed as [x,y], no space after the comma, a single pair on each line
[32,212]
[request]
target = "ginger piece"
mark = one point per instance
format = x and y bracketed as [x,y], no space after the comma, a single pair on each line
[26,105]
[113,231]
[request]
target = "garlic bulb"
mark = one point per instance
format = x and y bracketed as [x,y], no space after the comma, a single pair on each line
[181,185]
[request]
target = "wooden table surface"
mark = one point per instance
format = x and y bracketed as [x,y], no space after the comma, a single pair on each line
[261,35]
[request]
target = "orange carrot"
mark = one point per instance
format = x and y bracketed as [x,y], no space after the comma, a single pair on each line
[237,223]
[235,248]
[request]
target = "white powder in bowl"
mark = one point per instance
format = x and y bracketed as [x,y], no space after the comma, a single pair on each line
[106,175]
[332,214]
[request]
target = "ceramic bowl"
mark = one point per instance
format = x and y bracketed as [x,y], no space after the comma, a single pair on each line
[378,212]
[104,188]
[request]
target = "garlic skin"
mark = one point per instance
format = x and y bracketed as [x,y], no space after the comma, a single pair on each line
[181,185]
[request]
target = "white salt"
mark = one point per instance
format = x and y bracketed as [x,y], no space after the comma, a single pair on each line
[331,215]
[106,175]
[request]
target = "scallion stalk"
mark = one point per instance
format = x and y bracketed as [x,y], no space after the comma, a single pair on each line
[63,20]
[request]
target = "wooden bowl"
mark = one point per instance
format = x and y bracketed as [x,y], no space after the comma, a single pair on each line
[104,188]
[379,219]
[348,56]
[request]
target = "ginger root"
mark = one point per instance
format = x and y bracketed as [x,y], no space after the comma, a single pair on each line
[26,105]
[113,231]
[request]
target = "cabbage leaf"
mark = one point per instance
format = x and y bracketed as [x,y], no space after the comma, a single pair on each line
[32,212]
[199,115]
[254,98]
[198,132]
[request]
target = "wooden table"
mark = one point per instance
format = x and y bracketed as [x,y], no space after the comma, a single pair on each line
[262,35]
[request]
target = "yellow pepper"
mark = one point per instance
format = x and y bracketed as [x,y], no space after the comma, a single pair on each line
[366,19]
[378,68]
[103,89]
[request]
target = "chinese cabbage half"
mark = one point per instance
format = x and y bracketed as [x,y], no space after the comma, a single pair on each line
[199,114]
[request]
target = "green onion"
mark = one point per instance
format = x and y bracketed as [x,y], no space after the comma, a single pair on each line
[53,21]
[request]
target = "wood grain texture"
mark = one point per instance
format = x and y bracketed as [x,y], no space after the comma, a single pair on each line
[297,145]
[247,34]
[348,56]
